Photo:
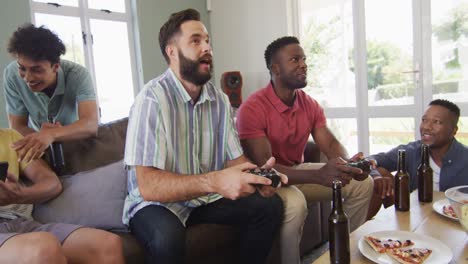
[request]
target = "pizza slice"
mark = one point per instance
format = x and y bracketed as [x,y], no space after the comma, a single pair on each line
[448,210]
[382,245]
[410,255]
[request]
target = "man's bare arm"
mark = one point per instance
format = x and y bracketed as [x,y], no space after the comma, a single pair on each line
[20,124]
[45,186]
[258,150]
[163,186]
[85,126]
[33,145]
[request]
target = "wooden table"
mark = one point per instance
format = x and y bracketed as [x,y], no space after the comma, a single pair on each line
[420,219]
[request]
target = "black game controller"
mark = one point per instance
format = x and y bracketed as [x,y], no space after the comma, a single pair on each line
[270,174]
[363,164]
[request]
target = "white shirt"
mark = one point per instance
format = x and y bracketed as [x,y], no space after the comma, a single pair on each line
[436,174]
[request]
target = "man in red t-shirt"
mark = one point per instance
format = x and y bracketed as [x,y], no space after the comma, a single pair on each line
[277,121]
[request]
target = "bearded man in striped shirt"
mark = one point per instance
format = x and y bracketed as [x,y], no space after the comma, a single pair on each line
[186,163]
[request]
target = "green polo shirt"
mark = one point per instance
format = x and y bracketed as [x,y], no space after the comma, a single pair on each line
[74,85]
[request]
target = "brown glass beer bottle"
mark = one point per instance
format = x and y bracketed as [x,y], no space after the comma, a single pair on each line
[425,172]
[338,229]
[402,193]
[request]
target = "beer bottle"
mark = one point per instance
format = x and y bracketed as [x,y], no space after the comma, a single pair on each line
[56,153]
[425,172]
[338,229]
[402,181]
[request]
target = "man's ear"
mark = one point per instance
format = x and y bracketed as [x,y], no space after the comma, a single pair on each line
[455,130]
[171,51]
[275,69]
[55,66]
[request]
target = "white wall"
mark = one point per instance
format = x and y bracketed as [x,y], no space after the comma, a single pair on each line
[12,14]
[151,16]
[240,32]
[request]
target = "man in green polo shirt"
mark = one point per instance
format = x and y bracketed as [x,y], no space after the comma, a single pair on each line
[39,85]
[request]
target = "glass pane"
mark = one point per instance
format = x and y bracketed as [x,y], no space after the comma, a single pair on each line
[69,31]
[60,2]
[389,33]
[450,49]
[387,133]
[327,39]
[113,69]
[114,5]
[462,133]
[345,130]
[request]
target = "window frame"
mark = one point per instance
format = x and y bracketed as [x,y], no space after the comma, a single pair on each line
[85,15]
[422,63]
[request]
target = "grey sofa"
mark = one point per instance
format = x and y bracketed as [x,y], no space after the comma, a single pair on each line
[205,243]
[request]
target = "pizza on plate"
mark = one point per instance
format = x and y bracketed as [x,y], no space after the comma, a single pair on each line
[383,245]
[410,255]
[448,210]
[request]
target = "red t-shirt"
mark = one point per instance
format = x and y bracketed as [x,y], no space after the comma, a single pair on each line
[287,128]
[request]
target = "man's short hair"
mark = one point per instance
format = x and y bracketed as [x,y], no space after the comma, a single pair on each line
[449,105]
[36,43]
[172,27]
[275,46]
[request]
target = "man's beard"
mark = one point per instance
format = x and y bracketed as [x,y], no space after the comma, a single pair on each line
[189,70]
[292,82]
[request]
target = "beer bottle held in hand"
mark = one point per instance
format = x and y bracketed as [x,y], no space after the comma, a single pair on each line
[56,153]
[425,172]
[338,229]
[402,183]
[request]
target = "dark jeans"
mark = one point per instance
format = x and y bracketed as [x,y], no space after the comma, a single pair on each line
[163,236]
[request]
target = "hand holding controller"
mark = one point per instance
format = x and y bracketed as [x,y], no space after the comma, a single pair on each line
[363,164]
[268,173]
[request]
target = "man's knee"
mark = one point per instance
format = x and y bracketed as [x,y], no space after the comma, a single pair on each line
[165,244]
[160,233]
[38,247]
[294,202]
[110,249]
[362,189]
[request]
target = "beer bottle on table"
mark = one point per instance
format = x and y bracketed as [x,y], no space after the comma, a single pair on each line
[56,153]
[338,229]
[402,183]
[425,172]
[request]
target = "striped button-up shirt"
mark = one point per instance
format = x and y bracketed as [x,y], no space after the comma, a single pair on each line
[167,130]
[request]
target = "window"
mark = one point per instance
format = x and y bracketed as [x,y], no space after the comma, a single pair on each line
[375,65]
[327,39]
[98,34]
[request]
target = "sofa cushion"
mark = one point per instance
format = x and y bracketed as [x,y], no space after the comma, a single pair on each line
[90,153]
[92,198]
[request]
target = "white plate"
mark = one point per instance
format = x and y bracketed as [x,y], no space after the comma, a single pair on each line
[440,252]
[438,206]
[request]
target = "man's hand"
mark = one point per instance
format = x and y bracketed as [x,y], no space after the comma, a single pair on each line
[234,182]
[267,191]
[33,145]
[383,181]
[357,157]
[383,186]
[336,168]
[10,190]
